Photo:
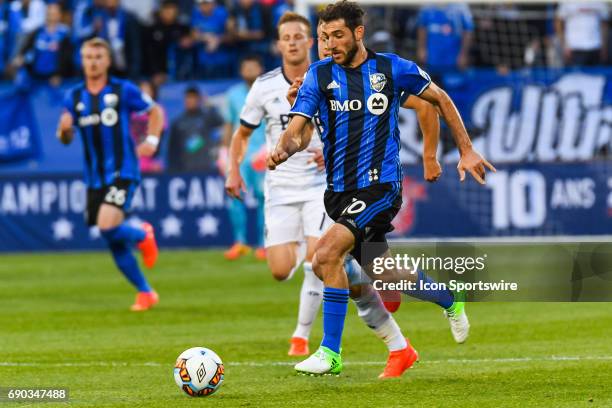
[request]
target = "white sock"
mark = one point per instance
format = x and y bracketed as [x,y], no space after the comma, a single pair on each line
[372,311]
[311,296]
[392,335]
[354,273]
[299,256]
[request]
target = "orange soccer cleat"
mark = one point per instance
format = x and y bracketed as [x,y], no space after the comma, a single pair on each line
[299,347]
[392,300]
[148,246]
[236,251]
[145,301]
[399,361]
[260,254]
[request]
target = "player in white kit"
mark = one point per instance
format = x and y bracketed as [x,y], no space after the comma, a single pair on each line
[295,216]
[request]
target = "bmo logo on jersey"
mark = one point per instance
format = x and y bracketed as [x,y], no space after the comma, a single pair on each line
[108,117]
[377,103]
[345,106]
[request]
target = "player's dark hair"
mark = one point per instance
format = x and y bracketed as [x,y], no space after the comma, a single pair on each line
[349,11]
[291,17]
[168,3]
[252,58]
[193,90]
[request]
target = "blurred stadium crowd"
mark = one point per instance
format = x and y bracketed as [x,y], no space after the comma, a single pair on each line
[200,39]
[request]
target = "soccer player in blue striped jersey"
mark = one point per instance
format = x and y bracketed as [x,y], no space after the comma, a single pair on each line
[358,93]
[99,108]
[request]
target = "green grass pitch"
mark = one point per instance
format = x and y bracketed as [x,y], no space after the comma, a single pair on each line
[64,321]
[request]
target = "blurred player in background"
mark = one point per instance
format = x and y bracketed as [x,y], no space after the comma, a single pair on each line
[100,109]
[358,93]
[250,68]
[295,213]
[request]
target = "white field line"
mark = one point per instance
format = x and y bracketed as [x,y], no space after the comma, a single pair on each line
[291,363]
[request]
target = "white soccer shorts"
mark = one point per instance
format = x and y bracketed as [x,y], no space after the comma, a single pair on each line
[293,222]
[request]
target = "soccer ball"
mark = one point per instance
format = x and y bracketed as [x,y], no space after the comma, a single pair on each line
[198,372]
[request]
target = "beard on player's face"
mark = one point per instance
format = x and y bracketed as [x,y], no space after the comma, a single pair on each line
[349,54]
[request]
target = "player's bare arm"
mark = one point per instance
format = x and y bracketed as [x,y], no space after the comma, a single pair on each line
[317,153]
[65,129]
[293,140]
[234,184]
[228,131]
[429,122]
[154,129]
[470,161]
[309,129]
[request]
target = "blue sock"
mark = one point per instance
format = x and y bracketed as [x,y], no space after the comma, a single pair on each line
[335,304]
[124,233]
[127,264]
[119,241]
[441,297]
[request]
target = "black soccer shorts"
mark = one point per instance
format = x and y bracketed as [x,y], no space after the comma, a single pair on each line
[368,214]
[118,194]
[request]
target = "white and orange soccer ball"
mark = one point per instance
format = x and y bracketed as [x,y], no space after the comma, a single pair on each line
[198,372]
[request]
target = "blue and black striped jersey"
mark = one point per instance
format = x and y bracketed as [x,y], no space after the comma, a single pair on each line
[359,110]
[103,123]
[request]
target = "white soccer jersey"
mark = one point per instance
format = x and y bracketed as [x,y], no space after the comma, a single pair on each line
[295,180]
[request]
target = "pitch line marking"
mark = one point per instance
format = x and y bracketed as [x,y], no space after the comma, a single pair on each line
[291,363]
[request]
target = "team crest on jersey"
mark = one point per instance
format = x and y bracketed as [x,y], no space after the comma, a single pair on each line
[110,100]
[378,81]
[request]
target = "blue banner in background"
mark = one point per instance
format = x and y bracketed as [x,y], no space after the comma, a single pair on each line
[19,137]
[189,210]
[518,200]
[46,212]
[539,115]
